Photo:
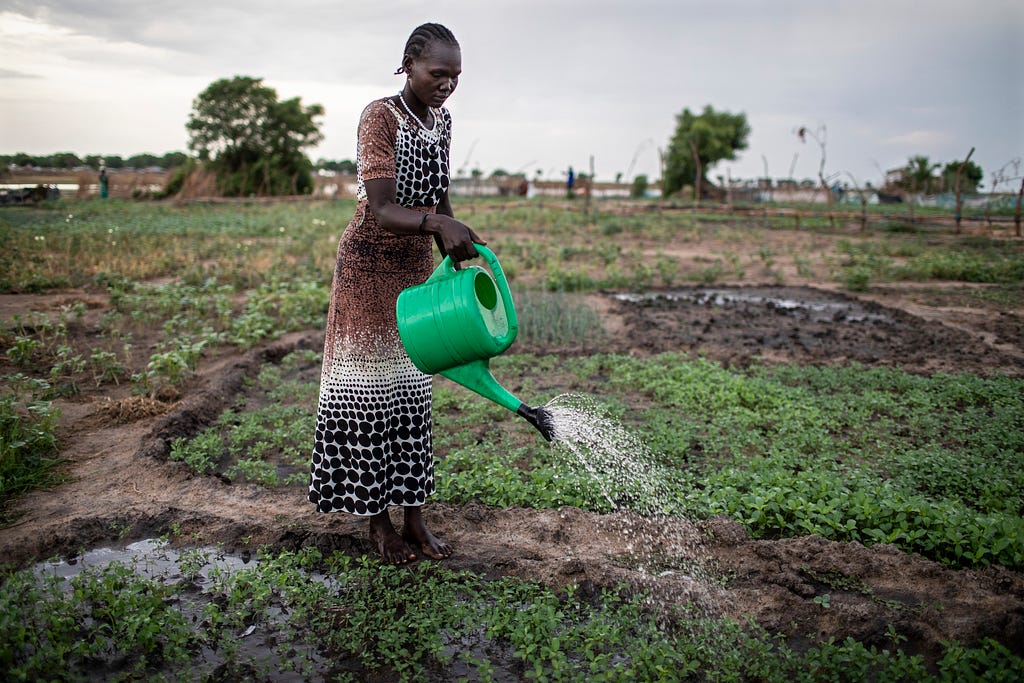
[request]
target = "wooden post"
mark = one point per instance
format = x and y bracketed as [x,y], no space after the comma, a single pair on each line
[959,204]
[661,178]
[1016,213]
[863,202]
[698,174]
[910,201]
[728,190]
[589,189]
[768,195]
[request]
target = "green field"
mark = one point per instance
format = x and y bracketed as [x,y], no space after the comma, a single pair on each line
[933,465]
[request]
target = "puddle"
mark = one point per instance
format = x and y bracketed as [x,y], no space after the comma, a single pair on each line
[805,308]
[151,558]
[271,644]
[200,576]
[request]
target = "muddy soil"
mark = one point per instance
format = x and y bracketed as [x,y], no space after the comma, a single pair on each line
[120,486]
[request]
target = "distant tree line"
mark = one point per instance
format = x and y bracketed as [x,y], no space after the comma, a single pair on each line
[345,166]
[70,160]
[169,161]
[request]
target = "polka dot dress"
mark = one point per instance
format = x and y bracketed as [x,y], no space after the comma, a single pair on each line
[373,442]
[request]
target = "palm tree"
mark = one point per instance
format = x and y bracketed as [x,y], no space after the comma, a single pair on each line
[919,174]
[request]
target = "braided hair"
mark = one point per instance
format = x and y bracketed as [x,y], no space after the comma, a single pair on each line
[423,36]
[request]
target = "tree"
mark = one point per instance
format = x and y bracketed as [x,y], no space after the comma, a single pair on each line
[252,142]
[64,160]
[699,142]
[970,177]
[639,187]
[919,175]
[344,166]
[820,136]
[144,160]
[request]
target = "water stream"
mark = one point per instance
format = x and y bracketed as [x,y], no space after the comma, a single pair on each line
[658,543]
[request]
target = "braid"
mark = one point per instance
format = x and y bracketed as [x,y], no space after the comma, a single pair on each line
[423,36]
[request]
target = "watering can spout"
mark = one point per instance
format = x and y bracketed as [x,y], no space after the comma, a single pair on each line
[539,417]
[477,377]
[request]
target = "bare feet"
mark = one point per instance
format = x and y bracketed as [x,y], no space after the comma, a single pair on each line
[416,532]
[392,547]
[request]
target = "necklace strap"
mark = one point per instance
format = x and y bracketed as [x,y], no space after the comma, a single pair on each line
[418,120]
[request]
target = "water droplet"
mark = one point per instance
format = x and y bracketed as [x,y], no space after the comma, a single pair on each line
[665,551]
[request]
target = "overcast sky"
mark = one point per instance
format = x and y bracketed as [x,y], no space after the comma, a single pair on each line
[545,83]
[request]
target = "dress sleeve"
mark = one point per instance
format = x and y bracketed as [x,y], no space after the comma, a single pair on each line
[375,152]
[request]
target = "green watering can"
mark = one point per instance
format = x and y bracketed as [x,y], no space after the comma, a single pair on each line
[456,321]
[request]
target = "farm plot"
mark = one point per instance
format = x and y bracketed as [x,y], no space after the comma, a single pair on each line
[843,453]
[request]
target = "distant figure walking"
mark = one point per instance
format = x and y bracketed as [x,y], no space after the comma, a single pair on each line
[104,184]
[570,181]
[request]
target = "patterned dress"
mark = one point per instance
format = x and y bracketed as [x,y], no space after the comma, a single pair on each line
[373,441]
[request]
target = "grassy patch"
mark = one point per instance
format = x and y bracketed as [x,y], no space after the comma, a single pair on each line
[914,258]
[28,441]
[556,319]
[267,437]
[339,618]
[932,464]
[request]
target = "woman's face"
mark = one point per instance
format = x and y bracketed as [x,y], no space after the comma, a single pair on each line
[435,73]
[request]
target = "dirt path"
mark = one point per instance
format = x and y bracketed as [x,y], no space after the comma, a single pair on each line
[121,486]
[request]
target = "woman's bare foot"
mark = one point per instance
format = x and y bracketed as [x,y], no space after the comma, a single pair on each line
[416,532]
[391,546]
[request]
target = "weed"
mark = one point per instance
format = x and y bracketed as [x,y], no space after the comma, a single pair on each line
[28,441]
[556,319]
[856,278]
[23,350]
[201,453]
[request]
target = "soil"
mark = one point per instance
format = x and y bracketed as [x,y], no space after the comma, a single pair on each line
[119,485]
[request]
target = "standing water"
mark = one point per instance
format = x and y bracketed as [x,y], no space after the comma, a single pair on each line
[665,550]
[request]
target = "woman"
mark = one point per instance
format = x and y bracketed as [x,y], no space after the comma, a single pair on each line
[373,440]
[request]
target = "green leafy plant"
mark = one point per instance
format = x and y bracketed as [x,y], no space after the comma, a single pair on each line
[28,437]
[379,621]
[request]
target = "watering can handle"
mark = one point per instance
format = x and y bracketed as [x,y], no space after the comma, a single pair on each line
[447,267]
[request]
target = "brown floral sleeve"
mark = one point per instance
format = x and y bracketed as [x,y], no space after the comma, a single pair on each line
[375,149]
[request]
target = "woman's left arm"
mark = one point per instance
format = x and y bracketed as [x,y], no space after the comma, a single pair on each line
[444,207]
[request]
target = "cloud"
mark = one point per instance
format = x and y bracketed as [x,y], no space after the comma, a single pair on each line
[552,80]
[919,139]
[11,73]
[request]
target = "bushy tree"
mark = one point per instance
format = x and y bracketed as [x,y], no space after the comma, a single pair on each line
[970,177]
[252,142]
[64,160]
[144,160]
[639,186]
[699,142]
[919,175]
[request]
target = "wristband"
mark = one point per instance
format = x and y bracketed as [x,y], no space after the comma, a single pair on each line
[422,221]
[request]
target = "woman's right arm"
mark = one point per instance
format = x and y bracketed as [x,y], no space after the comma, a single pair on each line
[455,238]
